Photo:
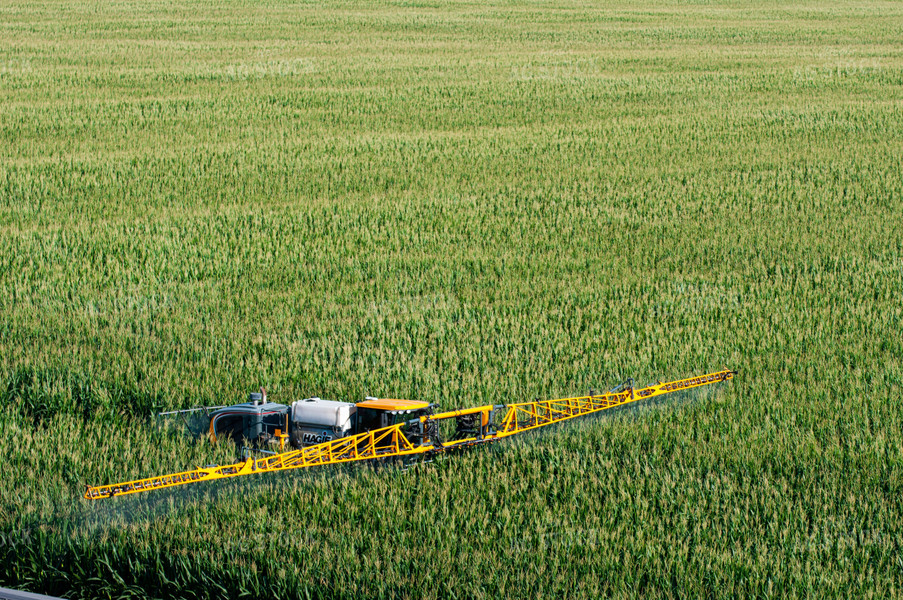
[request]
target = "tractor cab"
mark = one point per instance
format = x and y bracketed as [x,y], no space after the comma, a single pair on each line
[376,413]
[256,421]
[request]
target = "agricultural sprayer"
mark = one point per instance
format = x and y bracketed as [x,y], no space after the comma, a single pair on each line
[315,432]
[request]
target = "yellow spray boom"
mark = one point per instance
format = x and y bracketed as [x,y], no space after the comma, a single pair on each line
[416,437]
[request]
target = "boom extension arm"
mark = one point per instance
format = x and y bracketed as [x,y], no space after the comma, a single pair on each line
[420,436]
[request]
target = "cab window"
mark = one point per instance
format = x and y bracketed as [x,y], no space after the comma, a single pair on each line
[369,419]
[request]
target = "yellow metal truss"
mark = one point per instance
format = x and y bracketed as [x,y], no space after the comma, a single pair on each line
[400,441]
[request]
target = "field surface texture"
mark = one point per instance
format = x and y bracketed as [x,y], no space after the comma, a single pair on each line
[467,203]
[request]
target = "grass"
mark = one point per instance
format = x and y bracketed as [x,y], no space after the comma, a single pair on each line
[467,203]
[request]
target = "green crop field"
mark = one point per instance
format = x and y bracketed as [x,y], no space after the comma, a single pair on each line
[466,203]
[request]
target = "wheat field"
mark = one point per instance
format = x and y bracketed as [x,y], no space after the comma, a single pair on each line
[466,203]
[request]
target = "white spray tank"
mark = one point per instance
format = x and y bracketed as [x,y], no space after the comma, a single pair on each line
[315,420]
